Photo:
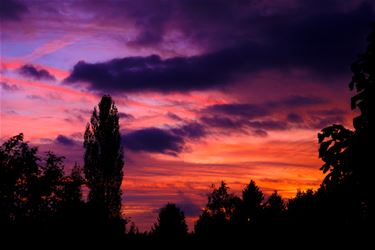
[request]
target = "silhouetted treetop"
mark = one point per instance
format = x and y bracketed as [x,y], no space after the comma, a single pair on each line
[252,197]
[251,206]
[104,159]
[171,223]
[274,209]
[219,211]
[221,202]
[275,203]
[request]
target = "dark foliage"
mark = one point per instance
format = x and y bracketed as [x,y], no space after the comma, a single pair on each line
[218,213]
[252,203]
[103,166]
[35,196]
[348,154]
[171,223]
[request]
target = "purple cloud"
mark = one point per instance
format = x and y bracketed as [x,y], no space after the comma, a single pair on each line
[276,41]
[154,140]
[294,118]
[64,140]
[31,71]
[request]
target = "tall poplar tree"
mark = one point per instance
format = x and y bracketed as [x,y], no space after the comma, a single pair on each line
[103,159]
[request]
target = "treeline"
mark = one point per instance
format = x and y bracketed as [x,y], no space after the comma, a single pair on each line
[38,198]
[227,216]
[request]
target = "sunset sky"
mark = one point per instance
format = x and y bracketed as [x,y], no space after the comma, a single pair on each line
[206,90]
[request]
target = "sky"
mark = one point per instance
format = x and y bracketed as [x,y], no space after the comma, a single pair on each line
[206,90]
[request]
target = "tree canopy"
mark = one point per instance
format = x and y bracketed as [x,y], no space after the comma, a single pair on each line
[170,223]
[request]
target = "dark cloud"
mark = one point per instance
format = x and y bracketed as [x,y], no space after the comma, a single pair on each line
[8,87]
[192,130]
[154,140]
[322,122]
[134,74]
[12,10]
[187,205]
[294,118]
[249,119]
[268,125]
[125,116]
[194,20]
[317,119]
[222,23]
[224,122]
[190,209]
[243,125]
[260,133]
[298,101]
[234,109]
[322,40]
[175,117]
[325,41]
[329,112]
[170,141]
[64,140]
[245,116]
[31,71]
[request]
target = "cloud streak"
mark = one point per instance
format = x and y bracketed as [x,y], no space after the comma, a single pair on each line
[32,72]
[154,140]
[9,87]
[64,140]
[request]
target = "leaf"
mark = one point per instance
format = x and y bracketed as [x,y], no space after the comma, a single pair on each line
[325,167]
[323,148]
[321,137]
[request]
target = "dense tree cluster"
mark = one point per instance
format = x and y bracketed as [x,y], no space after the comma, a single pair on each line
[34,192]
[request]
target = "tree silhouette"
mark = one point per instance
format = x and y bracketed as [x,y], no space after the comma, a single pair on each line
[73,186]
[51,184]
[71,219]
[133,230]
[31,189]
[335,150]
[221,203]
[218,213]
[303,209]
[103,160]
[274,210]
[363,142]
[348,154]
[171,223]
[19,173]
[252,199]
